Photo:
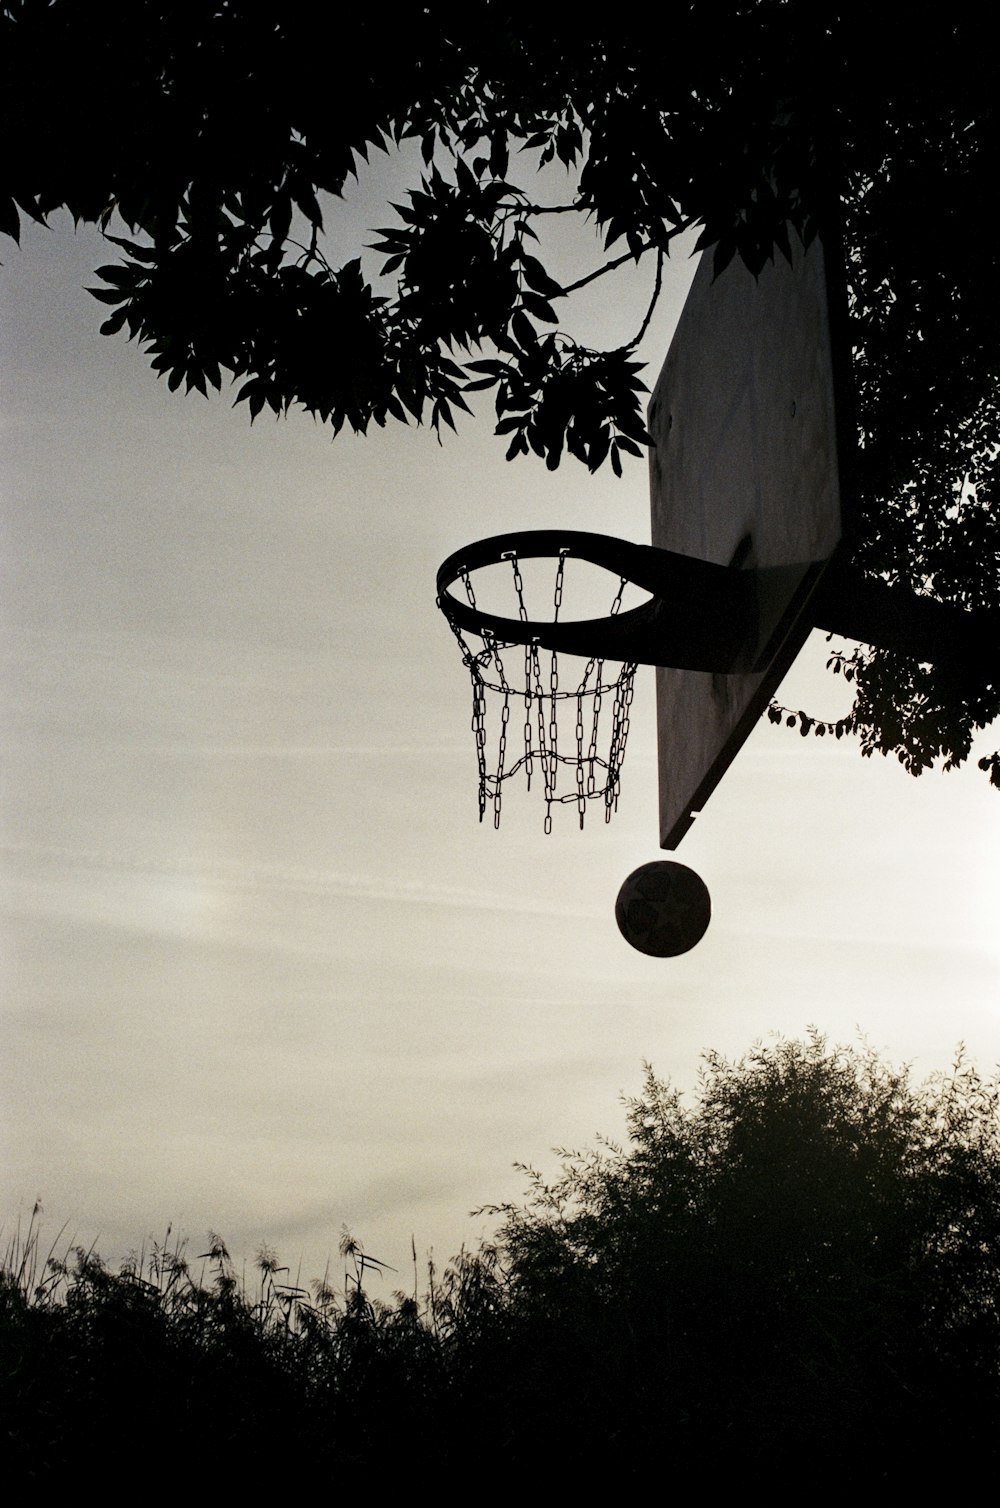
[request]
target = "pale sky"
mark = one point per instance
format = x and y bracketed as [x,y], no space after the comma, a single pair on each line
[265,972]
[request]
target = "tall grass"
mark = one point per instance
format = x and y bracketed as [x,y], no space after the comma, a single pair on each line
[239,1379]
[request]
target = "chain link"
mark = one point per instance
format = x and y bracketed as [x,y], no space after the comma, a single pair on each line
[560,571]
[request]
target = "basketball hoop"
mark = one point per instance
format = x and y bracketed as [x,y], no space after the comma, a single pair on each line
[578,762]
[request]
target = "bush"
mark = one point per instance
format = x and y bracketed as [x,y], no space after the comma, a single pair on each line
[802,1266]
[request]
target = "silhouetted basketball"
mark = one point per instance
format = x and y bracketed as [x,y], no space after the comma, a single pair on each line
[663,909]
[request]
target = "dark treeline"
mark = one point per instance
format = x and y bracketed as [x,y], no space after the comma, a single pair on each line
[794,1280]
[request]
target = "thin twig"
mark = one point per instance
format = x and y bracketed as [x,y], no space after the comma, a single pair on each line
[628,256]
[654,300]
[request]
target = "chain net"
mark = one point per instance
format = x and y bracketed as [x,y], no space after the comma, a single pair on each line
[574,767]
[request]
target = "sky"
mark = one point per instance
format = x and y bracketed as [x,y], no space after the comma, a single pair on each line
[265,973]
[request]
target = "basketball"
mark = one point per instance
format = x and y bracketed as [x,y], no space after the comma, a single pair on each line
[663,909]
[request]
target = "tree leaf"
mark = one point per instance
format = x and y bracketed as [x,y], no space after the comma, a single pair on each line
[10,220]
[138,253]
[108,295]
[112,325]
[539,308]
[522,330]
[537,278]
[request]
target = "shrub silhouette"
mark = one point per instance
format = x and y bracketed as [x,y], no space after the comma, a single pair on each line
[804,1265]
[800,1269]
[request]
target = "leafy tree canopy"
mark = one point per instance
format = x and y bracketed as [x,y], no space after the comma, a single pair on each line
[799,1266]
[210,131]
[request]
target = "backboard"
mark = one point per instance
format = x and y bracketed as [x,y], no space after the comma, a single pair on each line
[744,472]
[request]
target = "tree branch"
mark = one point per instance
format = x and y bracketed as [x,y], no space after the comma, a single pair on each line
[608,267]
[628,256]
[653,301]
[558,209]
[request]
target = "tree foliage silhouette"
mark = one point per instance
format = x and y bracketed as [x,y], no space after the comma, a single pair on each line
[217,136]
[803,1265]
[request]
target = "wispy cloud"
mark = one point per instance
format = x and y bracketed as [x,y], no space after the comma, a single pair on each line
[65,866]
